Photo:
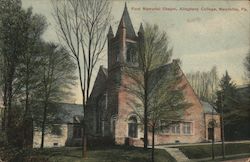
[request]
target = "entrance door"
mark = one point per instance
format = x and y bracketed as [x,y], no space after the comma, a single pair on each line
[210,133]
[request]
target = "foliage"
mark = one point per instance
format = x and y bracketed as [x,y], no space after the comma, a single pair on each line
[227,98]
[164,91]
[155,87]
[14,31]
[28,67]
[245,98]
[57,71]
[247,65]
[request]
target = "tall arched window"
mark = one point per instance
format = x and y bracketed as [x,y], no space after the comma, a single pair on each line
[211,126]
[132,127]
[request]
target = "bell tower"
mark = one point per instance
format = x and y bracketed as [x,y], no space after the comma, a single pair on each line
[122,47]
[122,52]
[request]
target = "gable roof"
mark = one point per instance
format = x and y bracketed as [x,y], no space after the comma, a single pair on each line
[208,108]
[125,22]
[70,111]
[100,82]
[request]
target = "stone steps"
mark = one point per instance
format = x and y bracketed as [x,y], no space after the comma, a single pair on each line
[177,154]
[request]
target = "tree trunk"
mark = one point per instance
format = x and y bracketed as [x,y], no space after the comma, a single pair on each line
[43,124]
[9,110]
[27,126]
[153,144]
[222,128]
[84,141]
[145,112]
[222,136]
[4,122]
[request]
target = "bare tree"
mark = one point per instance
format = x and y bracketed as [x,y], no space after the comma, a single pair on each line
[205,84]
[82,26]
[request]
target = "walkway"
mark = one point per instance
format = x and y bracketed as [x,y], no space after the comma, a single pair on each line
[207,143]
[180,157]
[175,153]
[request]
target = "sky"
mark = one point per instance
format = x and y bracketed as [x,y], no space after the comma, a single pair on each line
[203,33]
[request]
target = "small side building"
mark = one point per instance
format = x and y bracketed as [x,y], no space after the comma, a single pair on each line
[69,131]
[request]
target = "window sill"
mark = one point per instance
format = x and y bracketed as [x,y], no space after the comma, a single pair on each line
[171,134]
[134,138]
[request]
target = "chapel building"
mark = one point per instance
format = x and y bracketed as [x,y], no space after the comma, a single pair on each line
[109,114]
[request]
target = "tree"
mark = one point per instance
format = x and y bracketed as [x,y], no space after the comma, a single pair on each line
[28,69]
[20,39]
[246,100]
[153,51]
[82,26]
[205,84]
[57,75]
[247,65]
[13,45]
[226,104]
[156,89]
[227,96]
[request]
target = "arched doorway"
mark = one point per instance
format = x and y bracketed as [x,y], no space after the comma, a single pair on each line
[211,126]
[132,127]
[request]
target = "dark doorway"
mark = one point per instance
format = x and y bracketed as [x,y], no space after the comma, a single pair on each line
[210,133]
[132,127]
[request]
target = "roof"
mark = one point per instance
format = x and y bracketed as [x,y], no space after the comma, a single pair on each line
[105,71]
[208,108]
[125,22]
[100,85]
[243,86]
[157,74]
[70,112]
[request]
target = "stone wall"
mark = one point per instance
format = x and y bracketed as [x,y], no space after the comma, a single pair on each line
[51,140]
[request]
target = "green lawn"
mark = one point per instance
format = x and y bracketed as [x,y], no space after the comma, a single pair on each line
[110,154]
[204,151]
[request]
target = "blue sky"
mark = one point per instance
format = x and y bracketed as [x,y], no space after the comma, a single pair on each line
[201,39]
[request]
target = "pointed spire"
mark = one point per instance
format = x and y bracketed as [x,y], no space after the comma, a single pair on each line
[125,22]
[141,30]
[125,8]
[110,33]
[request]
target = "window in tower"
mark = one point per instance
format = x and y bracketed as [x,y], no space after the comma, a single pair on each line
[131,53]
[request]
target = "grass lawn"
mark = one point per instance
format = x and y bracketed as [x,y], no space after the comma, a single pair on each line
[110,154]
[204,151]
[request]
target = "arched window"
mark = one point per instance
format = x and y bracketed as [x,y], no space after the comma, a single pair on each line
[131,53]
[132,127]
[212,124]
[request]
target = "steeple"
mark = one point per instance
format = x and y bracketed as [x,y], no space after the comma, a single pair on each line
[141,30]
[125,22]
[110,33]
